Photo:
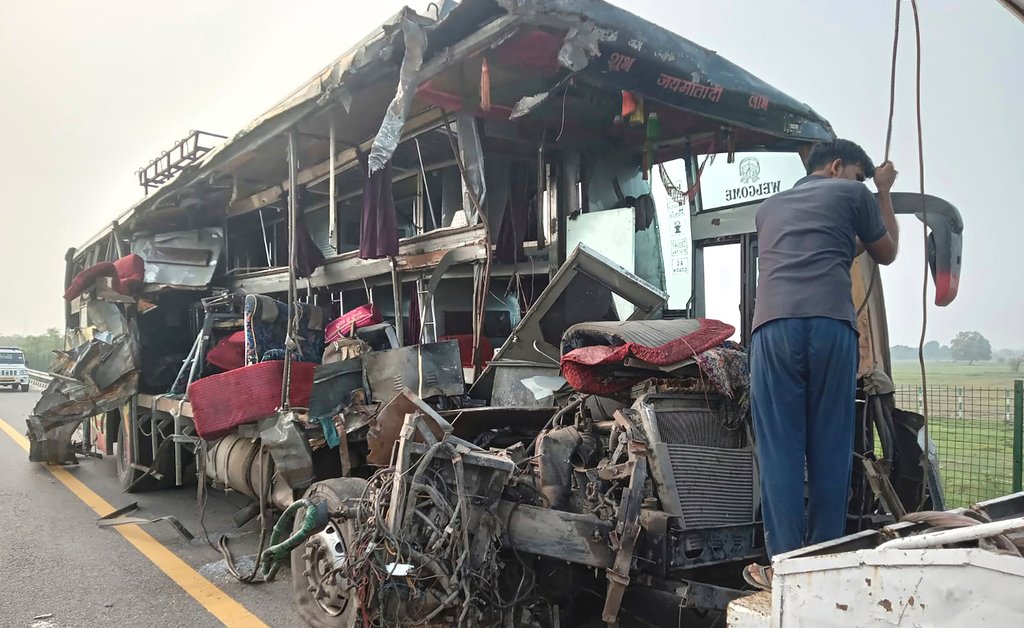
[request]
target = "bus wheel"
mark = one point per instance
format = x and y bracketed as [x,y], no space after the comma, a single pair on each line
[326,600]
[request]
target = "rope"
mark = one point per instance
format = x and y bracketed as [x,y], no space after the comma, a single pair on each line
[925,460]
[888,135]
[892,80]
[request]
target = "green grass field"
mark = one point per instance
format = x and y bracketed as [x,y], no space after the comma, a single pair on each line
[975,458]
[973,428]
[979,374]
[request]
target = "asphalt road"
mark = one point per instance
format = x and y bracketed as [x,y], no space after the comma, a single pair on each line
[59,569]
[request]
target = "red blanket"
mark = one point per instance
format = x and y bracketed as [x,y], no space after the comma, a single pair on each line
[585,368]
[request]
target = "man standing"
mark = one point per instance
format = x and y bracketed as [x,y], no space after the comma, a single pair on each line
[803,353]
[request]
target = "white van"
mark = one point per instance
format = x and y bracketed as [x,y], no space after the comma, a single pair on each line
[12,368]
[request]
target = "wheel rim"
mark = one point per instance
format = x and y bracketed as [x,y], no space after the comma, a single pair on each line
[325,552]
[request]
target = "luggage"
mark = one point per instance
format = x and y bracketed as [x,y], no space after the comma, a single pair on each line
[362,316]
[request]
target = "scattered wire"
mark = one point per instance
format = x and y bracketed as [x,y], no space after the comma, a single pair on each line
[263,497]
[202,516]
[431,530]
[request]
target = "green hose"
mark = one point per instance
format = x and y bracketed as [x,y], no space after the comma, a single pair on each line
[313,521]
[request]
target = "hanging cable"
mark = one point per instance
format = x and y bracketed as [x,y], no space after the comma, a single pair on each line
[263,497]
[925,459]
[888,137]
[483,285]
[293,259]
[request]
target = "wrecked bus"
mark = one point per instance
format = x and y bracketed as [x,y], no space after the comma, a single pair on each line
[449,308]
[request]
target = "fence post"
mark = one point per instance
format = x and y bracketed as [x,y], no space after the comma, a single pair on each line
[1018,434]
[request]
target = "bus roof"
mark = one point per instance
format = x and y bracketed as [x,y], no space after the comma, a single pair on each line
[596,39]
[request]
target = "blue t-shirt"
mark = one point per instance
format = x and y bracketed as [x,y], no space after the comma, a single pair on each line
[806,245]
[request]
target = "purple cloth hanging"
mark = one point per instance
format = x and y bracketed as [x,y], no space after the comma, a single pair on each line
[378,233]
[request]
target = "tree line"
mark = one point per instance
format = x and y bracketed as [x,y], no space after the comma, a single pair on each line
[968,346]
[38,349]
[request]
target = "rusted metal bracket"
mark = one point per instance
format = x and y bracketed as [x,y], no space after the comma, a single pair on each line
[628,528]
[878,478]
[616,472]
[151,471]
[118,518]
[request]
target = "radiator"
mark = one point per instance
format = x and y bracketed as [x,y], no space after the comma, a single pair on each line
[715,486]
[704,427]
[701,462]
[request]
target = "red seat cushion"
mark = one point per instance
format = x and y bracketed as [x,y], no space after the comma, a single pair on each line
[85,279]
[229,353]
[131,270]
[222,402]
[127,275]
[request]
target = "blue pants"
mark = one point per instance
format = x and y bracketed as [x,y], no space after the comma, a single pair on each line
[803,383]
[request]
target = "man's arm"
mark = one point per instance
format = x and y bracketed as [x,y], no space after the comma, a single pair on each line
[884,249]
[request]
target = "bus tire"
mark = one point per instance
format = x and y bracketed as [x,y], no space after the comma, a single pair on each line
[337,606]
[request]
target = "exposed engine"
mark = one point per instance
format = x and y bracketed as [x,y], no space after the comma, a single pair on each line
[456,534]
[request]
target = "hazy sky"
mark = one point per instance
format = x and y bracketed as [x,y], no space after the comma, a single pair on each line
[90,91]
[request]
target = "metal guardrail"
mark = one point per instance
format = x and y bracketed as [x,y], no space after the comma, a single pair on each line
[38,379]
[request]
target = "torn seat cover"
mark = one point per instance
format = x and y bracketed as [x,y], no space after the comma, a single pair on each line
[592,353]
[96,376]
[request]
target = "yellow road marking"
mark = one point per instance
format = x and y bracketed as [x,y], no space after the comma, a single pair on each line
[219,604]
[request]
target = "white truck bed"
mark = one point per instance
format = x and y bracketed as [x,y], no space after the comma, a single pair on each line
[922,580]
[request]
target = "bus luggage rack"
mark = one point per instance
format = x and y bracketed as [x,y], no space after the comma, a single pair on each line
[171,162]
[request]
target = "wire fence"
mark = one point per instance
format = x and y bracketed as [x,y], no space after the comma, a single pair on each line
[978,435]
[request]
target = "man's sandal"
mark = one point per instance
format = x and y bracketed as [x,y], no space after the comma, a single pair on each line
[758,576]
